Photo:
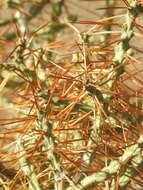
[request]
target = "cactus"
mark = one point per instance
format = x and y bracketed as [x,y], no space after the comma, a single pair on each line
[71,95]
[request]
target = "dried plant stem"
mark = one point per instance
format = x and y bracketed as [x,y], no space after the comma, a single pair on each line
[26,167]
[108,13]
[123,48]
[131,154]
[49,145]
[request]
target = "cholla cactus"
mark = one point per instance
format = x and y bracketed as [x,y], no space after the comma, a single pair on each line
[70,118]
